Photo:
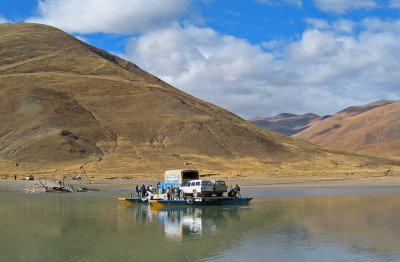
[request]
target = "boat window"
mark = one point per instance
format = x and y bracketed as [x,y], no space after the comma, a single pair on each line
[197,183]
[188,184]
[207,183]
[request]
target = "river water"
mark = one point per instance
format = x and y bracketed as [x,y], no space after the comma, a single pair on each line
[315,224]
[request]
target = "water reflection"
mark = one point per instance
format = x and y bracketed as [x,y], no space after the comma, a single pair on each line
[73,227]
[181,222]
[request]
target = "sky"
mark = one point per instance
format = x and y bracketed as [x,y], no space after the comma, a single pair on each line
[255,58]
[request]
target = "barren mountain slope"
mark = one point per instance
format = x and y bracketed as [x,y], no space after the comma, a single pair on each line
[66,103]
[372,129]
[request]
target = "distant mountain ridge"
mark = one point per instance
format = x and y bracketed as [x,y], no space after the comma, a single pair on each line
[373,128]
[288,124]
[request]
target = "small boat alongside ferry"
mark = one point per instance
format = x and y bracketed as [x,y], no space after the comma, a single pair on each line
[134,200]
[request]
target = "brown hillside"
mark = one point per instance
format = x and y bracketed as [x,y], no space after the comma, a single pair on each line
[372,129]
[65,104]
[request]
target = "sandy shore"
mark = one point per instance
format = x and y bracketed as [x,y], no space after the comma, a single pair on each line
[245,183]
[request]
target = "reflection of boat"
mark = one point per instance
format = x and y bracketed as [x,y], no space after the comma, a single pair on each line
[203,201]
[186,221]
[180,221]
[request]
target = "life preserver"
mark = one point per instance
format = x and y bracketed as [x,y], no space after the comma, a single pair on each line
[190,200]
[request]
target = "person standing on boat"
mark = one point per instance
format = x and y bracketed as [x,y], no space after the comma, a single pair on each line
[142,190]
[237,190]
[173,193]
[169,193]
[137,190]
[231,193]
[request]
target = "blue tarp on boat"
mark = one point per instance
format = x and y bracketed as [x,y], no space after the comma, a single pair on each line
[165,186]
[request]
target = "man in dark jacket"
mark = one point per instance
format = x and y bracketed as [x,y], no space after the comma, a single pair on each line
[237,190]
[137,190]
[142,190]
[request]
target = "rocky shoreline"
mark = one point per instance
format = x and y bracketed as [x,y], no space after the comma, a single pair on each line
[247,183]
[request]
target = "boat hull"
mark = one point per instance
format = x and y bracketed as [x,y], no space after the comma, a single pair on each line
[133,201]
[201,202]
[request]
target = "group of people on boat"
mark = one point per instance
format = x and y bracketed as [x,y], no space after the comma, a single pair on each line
[234,191]
[173,193]
[141,192]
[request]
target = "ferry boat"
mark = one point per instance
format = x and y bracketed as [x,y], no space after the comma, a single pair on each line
[201,201]
[189,190]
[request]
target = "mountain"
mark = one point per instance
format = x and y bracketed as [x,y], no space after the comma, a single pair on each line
[373,128]
[288,124]
[66,105]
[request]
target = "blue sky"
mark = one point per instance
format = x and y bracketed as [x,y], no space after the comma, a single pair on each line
[255,57]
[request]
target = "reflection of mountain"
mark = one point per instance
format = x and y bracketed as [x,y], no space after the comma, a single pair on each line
[359,224]
[366,223]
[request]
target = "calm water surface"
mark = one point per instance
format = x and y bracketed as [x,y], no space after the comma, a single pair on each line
[353,224]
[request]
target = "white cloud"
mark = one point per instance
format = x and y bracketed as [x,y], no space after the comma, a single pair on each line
[3,20]
[82,38]
[377,25]
[344,26]
[117,16]
[394,3]
[342,6]
[315,44]
[274,44]
[271,2]
[318,23]
[340,26]
[324,71]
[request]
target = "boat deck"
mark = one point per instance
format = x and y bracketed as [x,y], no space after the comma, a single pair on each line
[213,198]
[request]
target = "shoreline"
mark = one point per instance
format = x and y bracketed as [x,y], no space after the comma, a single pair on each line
[245,183]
